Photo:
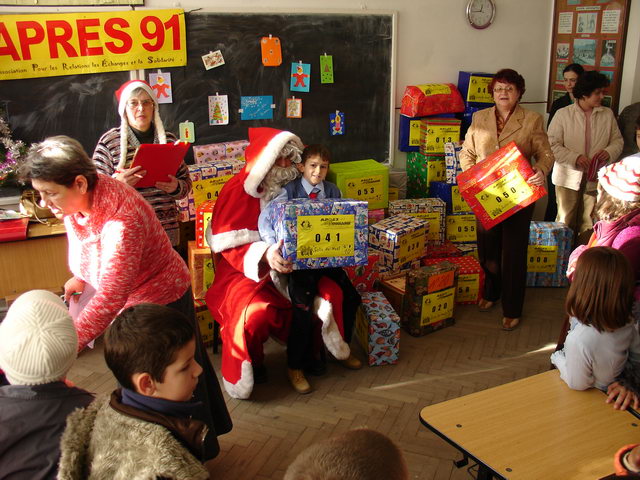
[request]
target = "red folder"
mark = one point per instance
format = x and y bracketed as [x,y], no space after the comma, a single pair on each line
[159,161]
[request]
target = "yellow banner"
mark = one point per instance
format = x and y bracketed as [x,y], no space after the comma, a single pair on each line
[326,236]
[50,45]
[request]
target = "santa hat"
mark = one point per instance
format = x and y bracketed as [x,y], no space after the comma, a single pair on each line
[123,94]
[622,179]
[38,342]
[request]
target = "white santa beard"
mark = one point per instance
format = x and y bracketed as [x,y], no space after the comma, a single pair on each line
[275,180]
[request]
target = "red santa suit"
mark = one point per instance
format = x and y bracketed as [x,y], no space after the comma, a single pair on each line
[247,299]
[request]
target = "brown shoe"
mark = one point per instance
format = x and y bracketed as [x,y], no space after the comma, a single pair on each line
[509,324]
[298,381]
[352,363]
[485,305]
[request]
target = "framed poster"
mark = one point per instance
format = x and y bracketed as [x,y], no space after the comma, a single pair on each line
[592,33]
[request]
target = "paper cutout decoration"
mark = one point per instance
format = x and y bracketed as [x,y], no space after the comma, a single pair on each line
[326,68]
[300,77]
[213,59]
[336,123]
[294,107]
[258,107]
[218,110]
[187,132]
[271,51]
[161,84]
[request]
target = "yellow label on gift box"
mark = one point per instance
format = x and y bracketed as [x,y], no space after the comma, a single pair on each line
[504,194]
[459,205]
[437,306]
[433,219]
[434,89]
[542,258]
[479,90]
[461,228]
[468,286]
[206,219]
[438,135]
[207,274]
[208,189]
[411,246]
[414,133]
[394,193]
[436,171]
[368,189]
[325,236]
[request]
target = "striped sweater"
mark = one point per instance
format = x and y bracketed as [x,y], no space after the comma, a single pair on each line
[121,250]
[106,157]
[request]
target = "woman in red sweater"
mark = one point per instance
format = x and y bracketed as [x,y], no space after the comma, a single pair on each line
[118,247]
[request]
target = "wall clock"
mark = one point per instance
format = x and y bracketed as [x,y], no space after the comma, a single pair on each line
[481,13]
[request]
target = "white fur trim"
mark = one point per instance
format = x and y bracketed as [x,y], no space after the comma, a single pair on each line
[252,260]
[281,282]
[243,388]
[330,331]
[124,131]
[266,159]
[233,238]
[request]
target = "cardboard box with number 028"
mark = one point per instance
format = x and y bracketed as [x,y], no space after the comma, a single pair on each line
[497,187]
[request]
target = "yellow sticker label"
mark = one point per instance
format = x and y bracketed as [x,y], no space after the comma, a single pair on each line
[461,228]
[434,89]
[207,274]
[206,219]
[468,287]
[368,189]
[208,189]
[459,205]
[325,236]
[479,90]
[414,133]
[411,246]
[438,135]
[436,171]
[504,194]
[437,306]
[433,218]
[542,258]
[394,193]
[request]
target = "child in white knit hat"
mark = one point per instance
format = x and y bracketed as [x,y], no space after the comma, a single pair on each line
[38,345]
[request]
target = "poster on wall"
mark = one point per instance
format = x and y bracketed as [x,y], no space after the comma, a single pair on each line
[591,33]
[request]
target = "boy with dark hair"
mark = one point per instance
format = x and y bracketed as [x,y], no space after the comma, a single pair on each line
[146,428]
[303,284]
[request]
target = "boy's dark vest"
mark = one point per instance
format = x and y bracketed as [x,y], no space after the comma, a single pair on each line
[296,190]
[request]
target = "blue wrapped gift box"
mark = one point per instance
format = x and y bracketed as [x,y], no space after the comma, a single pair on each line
[548,254]
[378,329]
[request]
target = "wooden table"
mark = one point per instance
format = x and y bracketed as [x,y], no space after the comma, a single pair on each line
[535,428]
[40,261]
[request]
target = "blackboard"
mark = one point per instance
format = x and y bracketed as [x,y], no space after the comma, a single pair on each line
[362,46]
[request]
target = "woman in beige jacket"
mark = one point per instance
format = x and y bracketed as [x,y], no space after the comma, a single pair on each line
[503,248]
[584,137]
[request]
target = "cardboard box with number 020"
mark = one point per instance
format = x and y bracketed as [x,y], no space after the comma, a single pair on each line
[322,233]
[497,187]
[432,210]
[365,180]
[429,298]
[548,254]
[378,329]
[470,283]
[398,240]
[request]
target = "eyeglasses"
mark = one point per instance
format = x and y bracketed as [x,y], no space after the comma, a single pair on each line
[504,89]
[134,104]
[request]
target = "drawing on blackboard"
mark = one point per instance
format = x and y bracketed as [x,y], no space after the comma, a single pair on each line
[161,84]
[213,59]
[271,51]
[256,107]
[326,68]
[294,107]
[336,123]
[218,110]
[187,132]
[300,73]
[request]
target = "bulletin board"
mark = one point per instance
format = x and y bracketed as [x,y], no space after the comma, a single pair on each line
[593,34]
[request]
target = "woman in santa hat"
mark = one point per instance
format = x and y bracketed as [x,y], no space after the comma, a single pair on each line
[141,123]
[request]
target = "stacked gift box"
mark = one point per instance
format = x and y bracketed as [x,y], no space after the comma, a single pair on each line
[385,271]
[430,209]
[321,233]
[431,99]
[450,195]
[203,218]
[205,322]
[462,228]
[474,88]
[376,215]
[429,298]
[363,277]
[393,287]
[421,171]
[232,152]
[452,161]
[435,132]
[397,184]
[470,282]
[446,249]
[365,180]
[378,329]
[398,240]
[200,268]
[548,254]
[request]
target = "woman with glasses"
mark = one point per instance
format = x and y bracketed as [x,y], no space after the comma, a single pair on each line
[141,123]
[584,137]
[503,248]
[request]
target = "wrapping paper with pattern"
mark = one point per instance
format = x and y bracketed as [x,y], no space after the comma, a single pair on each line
[220,151]
[431,99]
[430,209]
[376,215]
[378,329]
[450,195]
[470,283]
[398,240]
[317,226]
[421,171]
[364,276]
[447,249]
[548,254]
[452,161]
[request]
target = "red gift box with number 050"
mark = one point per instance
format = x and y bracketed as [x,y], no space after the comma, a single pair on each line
[497,187]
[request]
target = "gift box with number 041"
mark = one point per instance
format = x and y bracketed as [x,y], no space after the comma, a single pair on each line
[378,329]
[430,209]
[497,187]
[365,180]
[322,233]
[429,298]
[398,240]
[470,283]
[548,254]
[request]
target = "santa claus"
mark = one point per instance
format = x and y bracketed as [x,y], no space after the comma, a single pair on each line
[249,297]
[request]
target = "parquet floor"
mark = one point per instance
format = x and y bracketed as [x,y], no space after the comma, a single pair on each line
[276,424]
